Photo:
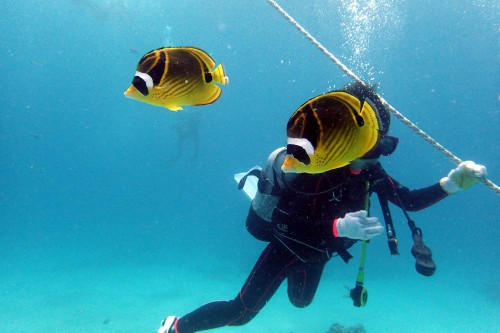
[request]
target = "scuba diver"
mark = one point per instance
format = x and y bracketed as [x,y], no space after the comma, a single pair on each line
[187,133]
[312,200]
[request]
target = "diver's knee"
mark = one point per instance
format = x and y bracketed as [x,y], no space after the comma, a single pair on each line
[300,303]
[242,314]
[244,319]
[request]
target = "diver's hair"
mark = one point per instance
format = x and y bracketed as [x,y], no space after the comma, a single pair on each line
[363,92]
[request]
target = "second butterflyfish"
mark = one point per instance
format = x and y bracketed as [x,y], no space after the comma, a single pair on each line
[173,77]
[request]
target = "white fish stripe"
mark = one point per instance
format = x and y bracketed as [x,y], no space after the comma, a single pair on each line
[146,77]
[301,142]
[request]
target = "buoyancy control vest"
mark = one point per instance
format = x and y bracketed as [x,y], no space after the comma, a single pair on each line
[299,209]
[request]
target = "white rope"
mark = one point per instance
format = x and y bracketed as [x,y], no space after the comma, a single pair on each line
[395,112]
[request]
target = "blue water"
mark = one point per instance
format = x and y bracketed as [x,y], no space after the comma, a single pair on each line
[99,212]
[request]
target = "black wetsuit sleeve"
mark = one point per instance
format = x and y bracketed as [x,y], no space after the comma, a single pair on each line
[412,200]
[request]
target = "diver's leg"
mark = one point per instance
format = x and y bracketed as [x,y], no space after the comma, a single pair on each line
[274,265]
[211,315]
[269,272]
[303,283]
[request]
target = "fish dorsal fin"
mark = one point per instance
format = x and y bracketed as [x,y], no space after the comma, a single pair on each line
[369,114]
[352,103]
[216,74]
[203,56]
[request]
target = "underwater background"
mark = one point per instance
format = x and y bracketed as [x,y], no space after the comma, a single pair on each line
[115,213]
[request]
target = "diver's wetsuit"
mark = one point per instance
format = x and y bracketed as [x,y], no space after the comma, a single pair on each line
[300,238]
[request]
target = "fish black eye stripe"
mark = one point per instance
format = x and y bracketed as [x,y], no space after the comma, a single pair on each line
[299,153]
[140,85]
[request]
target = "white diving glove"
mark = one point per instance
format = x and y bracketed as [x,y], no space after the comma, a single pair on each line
[357,225]
[462,177]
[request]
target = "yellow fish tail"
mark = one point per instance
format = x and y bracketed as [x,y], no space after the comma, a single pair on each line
[369,114]
[368,135]
[219,76]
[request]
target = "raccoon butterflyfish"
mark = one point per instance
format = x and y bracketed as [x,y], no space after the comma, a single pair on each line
[329,131]
[173,77]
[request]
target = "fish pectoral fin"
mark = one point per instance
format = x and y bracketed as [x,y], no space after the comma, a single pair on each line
[173,107]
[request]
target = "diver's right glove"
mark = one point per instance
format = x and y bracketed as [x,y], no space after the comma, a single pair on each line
[357,225]
[462,177]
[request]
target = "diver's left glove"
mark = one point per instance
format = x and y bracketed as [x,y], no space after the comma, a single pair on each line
[357,225]
[462,177]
